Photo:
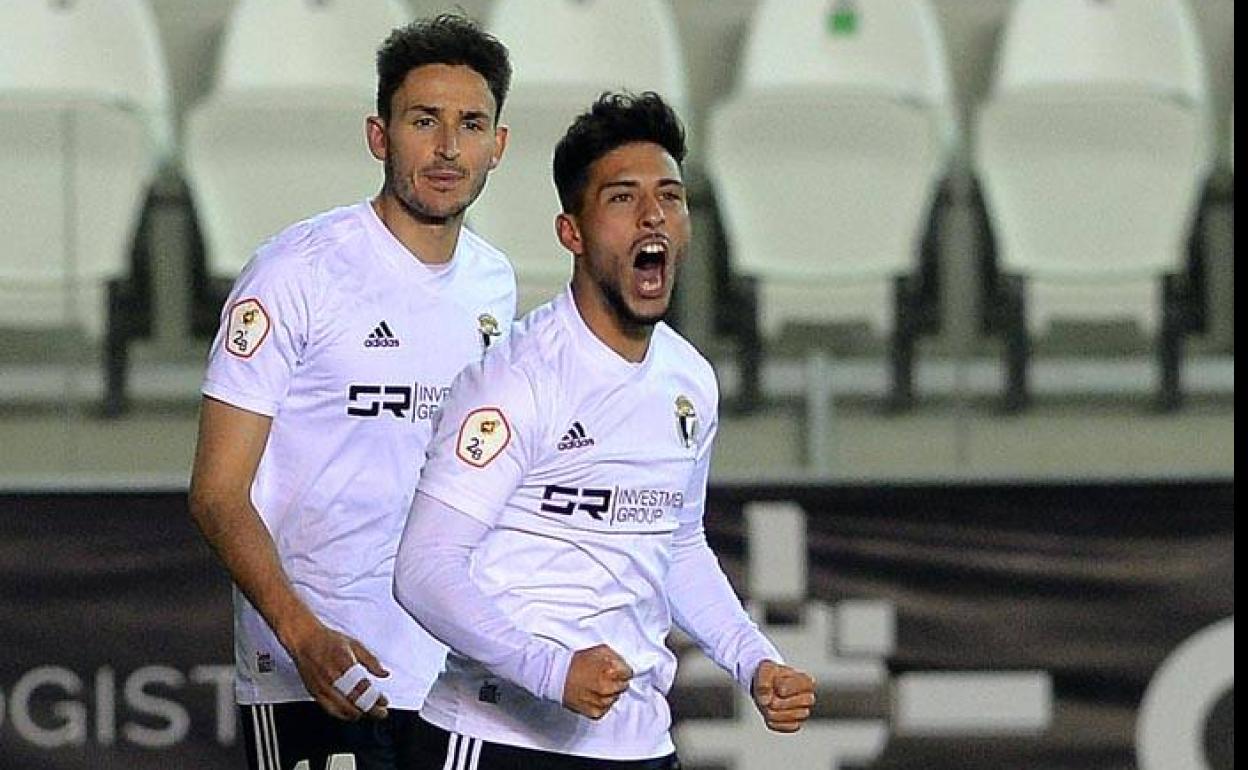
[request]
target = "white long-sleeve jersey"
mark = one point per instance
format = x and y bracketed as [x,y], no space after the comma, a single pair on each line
[587,475]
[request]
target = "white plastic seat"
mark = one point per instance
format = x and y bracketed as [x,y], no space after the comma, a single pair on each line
[827,158]
[564,53]
[895,49]
[1091,206]
[833,211]
[84,126]
[1141,46]
[281,135]
[1092,152]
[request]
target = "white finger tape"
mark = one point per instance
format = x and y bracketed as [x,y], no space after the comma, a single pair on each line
[350,679]
[368,698]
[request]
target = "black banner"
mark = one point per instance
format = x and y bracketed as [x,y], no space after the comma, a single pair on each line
[116,648]
[115,641]
[1095,584]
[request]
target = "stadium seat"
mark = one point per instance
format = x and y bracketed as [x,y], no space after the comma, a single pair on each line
[827,160]
[1092,153]
[84,122]
[564,53]
[281,135]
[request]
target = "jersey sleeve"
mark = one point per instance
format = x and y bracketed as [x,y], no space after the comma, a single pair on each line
[264,332]
[702,600]
[481,445]
[433,582]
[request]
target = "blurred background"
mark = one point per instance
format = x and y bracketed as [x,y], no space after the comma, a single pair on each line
[965,269]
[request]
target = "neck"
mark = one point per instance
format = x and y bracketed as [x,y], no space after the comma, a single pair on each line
[629,340]
[430,241]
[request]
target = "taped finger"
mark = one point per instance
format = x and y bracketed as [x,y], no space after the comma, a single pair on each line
[350,679]
[368,698]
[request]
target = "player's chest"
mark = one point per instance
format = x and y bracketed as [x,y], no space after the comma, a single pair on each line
[624,465]
[395,360]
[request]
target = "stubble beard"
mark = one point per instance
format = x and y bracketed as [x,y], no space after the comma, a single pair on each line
[629,318]
[402,190]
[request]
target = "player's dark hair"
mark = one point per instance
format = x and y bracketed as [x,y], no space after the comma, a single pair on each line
[614,120]
[445,39]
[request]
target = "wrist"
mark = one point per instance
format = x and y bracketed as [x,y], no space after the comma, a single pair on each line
[752,667]
[295,626]
[557,677]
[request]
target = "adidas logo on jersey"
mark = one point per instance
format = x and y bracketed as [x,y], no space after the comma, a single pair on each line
[382,337]
[575,438]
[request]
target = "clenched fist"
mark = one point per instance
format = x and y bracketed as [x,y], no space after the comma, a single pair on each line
[596,679]
[783,695]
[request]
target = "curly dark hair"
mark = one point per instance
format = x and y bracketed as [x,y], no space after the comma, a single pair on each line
[614,120]
[445,39]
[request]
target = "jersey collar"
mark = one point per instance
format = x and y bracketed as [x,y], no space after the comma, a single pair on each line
[403,261]
[590,345]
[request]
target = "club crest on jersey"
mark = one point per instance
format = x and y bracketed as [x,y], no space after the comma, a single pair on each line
[483,435]
[488,326]
[686,421]
[247,327]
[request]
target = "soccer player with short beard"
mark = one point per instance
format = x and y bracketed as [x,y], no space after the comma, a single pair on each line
[557,529]
[336,345]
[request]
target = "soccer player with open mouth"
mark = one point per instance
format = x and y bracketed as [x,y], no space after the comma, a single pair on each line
[557,528]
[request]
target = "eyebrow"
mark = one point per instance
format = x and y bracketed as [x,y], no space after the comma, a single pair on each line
[472,114]
[633,183]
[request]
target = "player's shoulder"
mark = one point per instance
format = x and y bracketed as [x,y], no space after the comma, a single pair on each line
[500,380]
[524,362]
[301,248]
[682,354]
[482,254]
[534,347]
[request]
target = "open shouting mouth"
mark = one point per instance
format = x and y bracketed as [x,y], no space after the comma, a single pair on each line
[650,266]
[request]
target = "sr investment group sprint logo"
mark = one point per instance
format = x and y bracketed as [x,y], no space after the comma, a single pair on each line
[612,506]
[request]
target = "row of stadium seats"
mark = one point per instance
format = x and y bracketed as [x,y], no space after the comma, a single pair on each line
[1091,154]
[827,159]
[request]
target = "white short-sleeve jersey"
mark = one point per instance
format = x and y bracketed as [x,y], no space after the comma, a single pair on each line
[582,464]
[349,343]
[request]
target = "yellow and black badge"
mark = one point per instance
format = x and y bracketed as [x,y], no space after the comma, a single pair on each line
[483,435]
[488,326]
[247,327]
[686,421]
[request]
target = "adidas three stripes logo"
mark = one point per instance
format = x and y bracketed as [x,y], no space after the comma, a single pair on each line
[575,438]
[381,337]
